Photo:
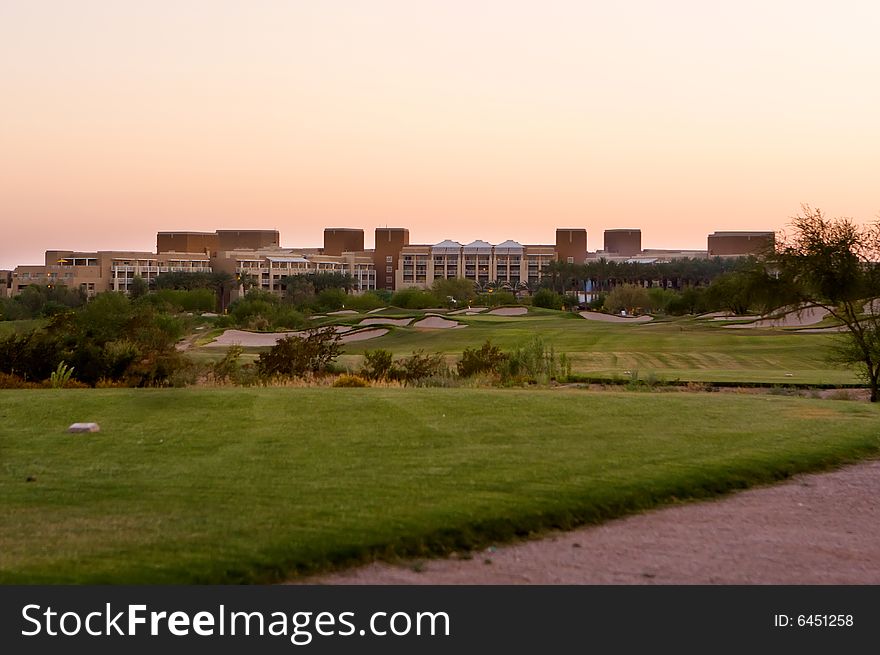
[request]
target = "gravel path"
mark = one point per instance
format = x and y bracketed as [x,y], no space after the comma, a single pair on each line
[814,529]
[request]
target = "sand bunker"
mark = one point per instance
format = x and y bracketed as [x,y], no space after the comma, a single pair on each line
[509,311]
[611,318]
[260,339]
[377,310]
[400,322]
[734,317]
[342,311]
[469,310]
[436,322]
[796,318]
[363,335]
[826,330]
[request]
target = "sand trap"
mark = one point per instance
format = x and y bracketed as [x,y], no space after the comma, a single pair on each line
[342,311]
[509,311]
[259,339]
[376,311]
[436,323]
[469,310]
[734,317]
[611,318]
[318,316]
[711,315]
[249,339]
[796,318]
[825,330]
[363,335]
[400,322]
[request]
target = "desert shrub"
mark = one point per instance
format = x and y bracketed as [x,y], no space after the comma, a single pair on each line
[534,362]
[419,366]
[247,376]
[376,365]
[346,380]
[486,359]
[9,381]
[297,356]
[228,368]
[547,299]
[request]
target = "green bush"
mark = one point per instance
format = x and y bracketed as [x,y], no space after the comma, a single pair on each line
[228,368]
[486,359]
[547,299]
[496,299]
[183,300]
[377,364]
[298,356]
[419,366]
[457,289]
[365,302]
[263,310]
[535,362]
[630,298]
[414,299]
[331,300]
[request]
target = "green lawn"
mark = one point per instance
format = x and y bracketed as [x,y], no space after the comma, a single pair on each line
[253,485]
[684,348]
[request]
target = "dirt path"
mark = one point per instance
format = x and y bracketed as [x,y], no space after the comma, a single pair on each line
[813,529]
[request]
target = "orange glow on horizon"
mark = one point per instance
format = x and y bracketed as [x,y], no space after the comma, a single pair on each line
[491,120]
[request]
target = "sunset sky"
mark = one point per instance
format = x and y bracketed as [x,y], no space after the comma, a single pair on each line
[458,119]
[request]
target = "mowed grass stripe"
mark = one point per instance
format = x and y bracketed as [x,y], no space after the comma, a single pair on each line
[676,348]
[255,485]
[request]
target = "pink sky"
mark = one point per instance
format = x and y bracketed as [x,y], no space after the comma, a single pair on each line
[458,119]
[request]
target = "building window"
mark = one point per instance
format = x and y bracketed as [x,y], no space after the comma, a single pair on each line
[389,280]
[570,260]
[389,269]
[389,259]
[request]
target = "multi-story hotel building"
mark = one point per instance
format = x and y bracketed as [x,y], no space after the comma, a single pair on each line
[392,264]
[509,264]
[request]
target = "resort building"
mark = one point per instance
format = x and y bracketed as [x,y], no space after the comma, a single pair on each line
[736,244]
[509,264]
[392,264]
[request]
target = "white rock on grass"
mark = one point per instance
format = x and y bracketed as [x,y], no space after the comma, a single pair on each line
[84,427]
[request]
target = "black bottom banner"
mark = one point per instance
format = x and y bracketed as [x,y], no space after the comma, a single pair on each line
[432,619]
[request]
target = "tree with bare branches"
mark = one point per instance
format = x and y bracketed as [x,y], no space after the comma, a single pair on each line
[835,264]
